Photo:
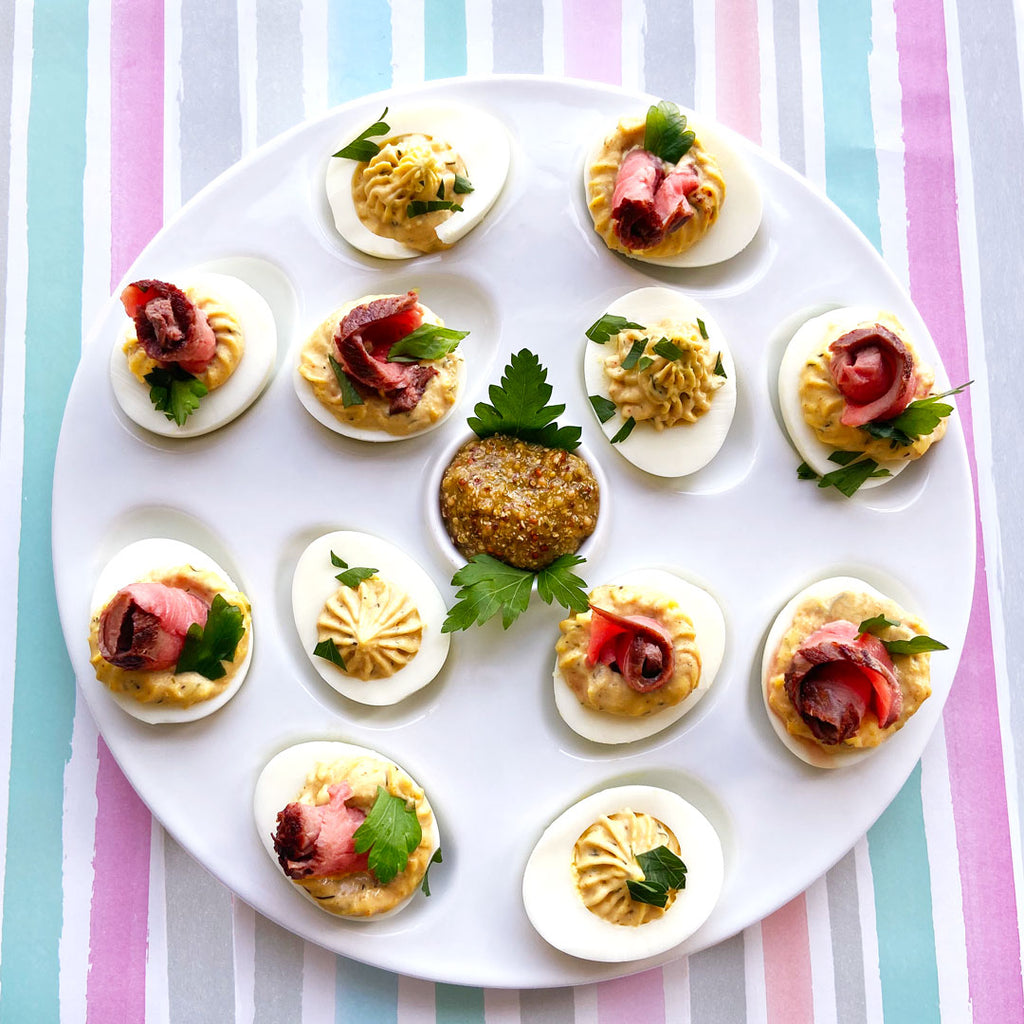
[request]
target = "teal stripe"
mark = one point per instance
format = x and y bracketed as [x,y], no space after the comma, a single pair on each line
[358,48]
[903,909]
[364,993]
[444,38]
[851,168]
[44,686]
[454,1004]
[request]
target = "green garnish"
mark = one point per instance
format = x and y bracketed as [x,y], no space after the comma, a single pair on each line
[360,148]
[351,577]
[703,330]
[349,395]
[917,420]
[610,325]
[418,207]
[519,407]
[634,354]
[328,650]
[488,586]
[668,350]
[644,363]
[849,478]
[875,625]
[428,341]
[719,368]
[436,859]
[663,872]
[665,132]
[604,407]
[390,832]
[207,646]
[175,392]
[804,472]
[919,644]
[462,186]
[624,431]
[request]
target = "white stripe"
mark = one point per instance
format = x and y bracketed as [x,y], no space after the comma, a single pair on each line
[501,1006]
[313,27]
[96,181]
[319,974]
[584,1004]
[172,108]
[755,986]
[243,947]
[632,56]
[553,39]
[158,1009]
[677,991]
[769,76]
[415,1001]
[887,117]
[407,45]
[704,50]
[247,70]
[811,91]
[819,940]
[479,37]
[868,930]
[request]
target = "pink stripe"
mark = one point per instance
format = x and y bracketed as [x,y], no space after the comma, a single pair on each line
[638,999]
[971,717]
[787,964]
[738,67]
[118,929]
[593,39]
[136,129]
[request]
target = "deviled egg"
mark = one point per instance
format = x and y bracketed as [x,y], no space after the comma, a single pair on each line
[351,828]
[576,887]
[194,354]
[381,368]
[368,617]
[170,634]
[671,189]
[642,656]
[837,677]
[661,380]
[417,180]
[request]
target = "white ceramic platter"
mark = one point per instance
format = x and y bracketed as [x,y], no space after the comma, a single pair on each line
[484,738]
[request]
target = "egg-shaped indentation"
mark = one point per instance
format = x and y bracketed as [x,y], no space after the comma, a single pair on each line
[477,140]
[554,898]
[246,335]
[335,881]
[165,694]
[690,391]
[670,593]
[804,636]
[386,629]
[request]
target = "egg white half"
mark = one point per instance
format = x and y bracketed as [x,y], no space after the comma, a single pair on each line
[557,912]
[237,393]
[685,448]
[480,140]
[130,565]
[709,626]
[284,777]
[314,582]
[811,338]
[741,211]
[805,749]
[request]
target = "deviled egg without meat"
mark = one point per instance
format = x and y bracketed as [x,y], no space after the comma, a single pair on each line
[368,617]
[661,380]
[645,652]
[352,829]
[625,874]
[417,180]
[170,634]
[194,354]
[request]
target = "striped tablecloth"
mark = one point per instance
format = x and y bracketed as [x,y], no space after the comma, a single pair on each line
[907,113]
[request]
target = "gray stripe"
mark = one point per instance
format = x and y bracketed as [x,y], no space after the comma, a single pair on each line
[278,987]
[847,942]
[546,1006]
[278,67]
[200,960]
[669,56]
[718,993]
[211,113]
[988,55]
[789,84]
[518,28]
[6,77]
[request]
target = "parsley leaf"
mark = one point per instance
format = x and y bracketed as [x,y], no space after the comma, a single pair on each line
[875,625]
[436,859]
[519,407]
[175,392]
[349,395]
[350,577]
[919,419]
[668,350]
[328,650]
[663,872]
[488,586]
[418,207]
[390,832]
[360,148]
[207,646]
[719,368]
[634,354]
[604,407]
[804,472]
[624,431]
[609,325]
[849,478]
[915,645]
[665,133]
[703,330]
[428,341]
[462,186]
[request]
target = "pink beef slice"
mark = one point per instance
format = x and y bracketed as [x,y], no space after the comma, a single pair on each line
[317,842]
